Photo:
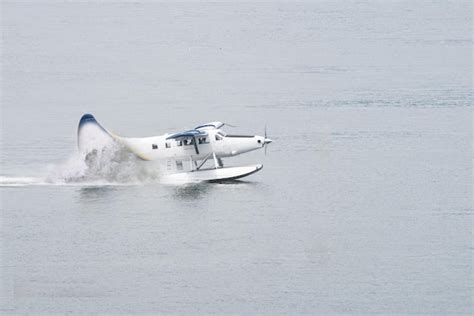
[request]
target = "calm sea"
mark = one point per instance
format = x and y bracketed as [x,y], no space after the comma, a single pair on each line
[364,204]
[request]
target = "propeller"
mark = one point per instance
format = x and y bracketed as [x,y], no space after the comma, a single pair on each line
[266,140]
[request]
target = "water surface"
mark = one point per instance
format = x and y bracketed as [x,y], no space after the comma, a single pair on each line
[364,204]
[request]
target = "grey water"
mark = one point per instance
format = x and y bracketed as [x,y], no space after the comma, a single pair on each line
[364,204]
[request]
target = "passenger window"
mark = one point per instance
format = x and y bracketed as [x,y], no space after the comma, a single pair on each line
[218,137]
[154,146]
[167,145]
[179,165]
[188,142]
[179,143]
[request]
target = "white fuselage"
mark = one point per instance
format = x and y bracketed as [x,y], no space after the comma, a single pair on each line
[215,142]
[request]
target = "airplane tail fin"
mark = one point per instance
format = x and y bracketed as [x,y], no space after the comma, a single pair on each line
[91,135]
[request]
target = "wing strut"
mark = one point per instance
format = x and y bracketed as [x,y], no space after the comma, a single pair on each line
[196,146]
[216,163]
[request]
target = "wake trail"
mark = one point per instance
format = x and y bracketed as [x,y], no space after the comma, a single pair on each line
[110,165]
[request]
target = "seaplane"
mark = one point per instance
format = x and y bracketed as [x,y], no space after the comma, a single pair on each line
[194,155]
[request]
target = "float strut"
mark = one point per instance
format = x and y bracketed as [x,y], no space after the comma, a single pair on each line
[216,164]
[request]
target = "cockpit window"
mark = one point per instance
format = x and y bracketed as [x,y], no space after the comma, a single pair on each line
[220,135]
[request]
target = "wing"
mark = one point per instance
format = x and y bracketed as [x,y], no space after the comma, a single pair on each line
[187,134]
[211,125]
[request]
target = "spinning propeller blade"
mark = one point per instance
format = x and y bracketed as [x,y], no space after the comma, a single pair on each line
[267,140]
